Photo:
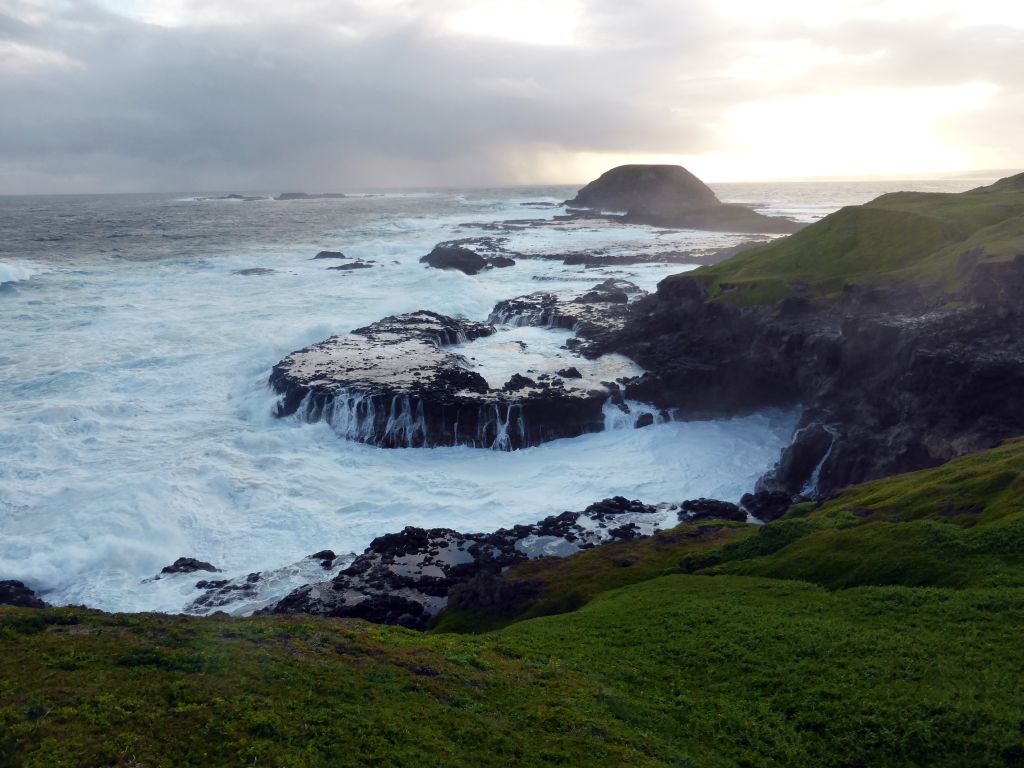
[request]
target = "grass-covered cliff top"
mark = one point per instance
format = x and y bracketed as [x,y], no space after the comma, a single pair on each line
[913,237]
[882,628]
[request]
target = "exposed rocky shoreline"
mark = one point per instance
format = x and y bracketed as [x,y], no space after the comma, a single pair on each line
[405,578]
[892,380]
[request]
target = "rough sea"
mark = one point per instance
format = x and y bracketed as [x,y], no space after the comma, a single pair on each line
[136,424]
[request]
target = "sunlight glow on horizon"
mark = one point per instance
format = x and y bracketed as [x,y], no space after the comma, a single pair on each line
[531,22]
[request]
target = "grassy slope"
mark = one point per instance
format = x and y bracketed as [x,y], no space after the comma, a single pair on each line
[686,669]
[906,236]
[958,525]
[678,670]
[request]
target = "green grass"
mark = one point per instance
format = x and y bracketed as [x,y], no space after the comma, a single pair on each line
[958,525]
[677,670]
[560,585]
[910,237]
[884,627]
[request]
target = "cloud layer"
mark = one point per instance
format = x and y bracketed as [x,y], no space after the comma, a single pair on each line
[190,95]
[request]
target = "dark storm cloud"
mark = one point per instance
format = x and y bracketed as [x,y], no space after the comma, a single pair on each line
[327,95]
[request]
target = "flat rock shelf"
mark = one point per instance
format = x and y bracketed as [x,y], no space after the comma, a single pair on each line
[396,384]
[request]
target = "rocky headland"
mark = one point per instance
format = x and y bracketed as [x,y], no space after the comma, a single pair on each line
[906,350]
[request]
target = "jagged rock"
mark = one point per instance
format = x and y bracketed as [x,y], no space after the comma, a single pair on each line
[395,384]
[188,565]
[644,420]
[766,505]
[799,468]
[671,196]
[572,372]
[330,255]
[709,509]
[501,262]
[595,315]
[17,594]
[405,578]
[517,382]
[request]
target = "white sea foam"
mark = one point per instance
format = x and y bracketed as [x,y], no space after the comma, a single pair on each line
[136,424]
[16,271]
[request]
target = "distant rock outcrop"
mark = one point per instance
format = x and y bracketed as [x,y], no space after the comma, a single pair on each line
[671,196]
[307,196]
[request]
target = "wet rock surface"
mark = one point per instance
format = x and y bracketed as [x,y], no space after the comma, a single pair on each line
[15,593]
[405,578]
[330,255]
[244,594]
[594,317]
[189,565]
[395,383]
[455,255]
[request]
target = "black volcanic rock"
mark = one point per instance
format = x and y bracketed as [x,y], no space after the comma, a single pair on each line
[405,578]
[671,196]
[596,315]
[395,384]
[188,565]
[766,505]
[17,594]
[455,257]
[330,255]
[709,509]
[352,266]
[572,372]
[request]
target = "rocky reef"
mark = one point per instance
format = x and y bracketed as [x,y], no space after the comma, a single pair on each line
[397,383]
[405,578]
[671,196]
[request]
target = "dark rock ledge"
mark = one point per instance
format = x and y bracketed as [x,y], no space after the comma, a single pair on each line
[395,384]
[404,578]
[594,316]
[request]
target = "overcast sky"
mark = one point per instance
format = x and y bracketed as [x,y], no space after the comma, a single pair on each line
[266,95]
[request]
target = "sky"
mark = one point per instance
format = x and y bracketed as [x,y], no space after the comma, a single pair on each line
[335,95]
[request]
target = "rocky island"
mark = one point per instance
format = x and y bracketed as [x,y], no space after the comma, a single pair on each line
[671,196]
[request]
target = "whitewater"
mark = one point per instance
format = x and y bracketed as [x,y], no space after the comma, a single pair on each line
[136,424]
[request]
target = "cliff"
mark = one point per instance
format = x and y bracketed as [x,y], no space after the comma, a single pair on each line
[897,324]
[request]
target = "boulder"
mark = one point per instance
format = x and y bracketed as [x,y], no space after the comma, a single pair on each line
[189,565]
[455,257]
[17,594]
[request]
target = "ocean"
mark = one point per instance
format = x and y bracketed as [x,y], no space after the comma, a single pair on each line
[136,424]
